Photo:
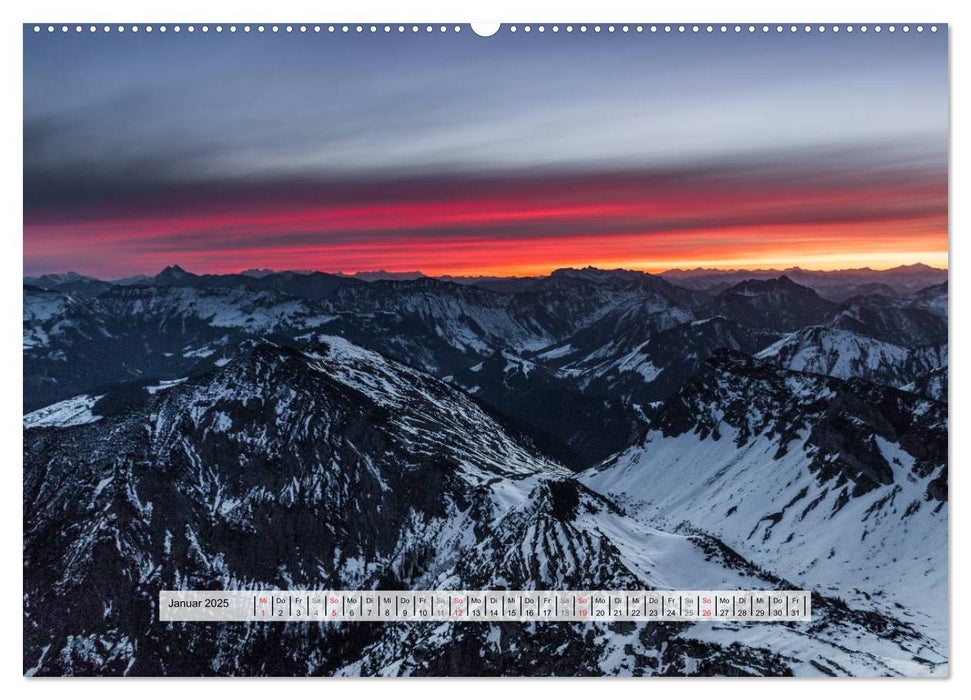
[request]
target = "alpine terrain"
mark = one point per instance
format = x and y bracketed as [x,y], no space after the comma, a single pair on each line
[590,429]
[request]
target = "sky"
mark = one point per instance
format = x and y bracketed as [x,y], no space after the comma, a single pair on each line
[455,154]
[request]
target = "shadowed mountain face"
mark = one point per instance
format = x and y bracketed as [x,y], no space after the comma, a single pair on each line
[775,304]
[576,427]
[298,430]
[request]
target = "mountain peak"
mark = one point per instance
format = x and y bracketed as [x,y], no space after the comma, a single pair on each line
[172,273]
[916,268]
[782,283]
[777,303]
[596,274]
[343,376]
[255,272]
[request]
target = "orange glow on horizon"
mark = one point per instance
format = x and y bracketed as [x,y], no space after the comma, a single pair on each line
[830,247]
[515,232]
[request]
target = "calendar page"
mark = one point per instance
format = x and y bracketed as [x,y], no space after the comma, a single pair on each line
[485,350]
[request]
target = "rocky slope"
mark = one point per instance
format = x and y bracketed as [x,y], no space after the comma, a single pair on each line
[841,484]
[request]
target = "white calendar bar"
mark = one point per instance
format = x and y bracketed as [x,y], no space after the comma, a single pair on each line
[484,606]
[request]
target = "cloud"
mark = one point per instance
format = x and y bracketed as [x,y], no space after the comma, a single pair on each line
[351,222]
[457,153]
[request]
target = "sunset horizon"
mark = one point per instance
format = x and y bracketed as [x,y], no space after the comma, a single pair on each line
[510,224]
[541,272]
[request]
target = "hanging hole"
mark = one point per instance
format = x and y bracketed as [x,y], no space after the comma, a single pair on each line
[485,28]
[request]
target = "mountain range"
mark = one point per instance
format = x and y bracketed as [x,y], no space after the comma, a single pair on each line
[589,429]
[834,285]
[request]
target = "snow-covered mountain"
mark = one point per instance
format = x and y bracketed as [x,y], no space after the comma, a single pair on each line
[73,411]
[641,357]
[439,326]
[933,298]
[74,345]
[896,342]
[932,384]
[335,467]
[453,325]
[840,484]
[51,280]
[299,429]
[845,354]
[182,325]
[605,342]
[917,320]
[54,317]
[70,283]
